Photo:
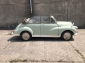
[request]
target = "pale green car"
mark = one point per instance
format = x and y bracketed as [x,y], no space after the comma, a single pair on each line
[45,26]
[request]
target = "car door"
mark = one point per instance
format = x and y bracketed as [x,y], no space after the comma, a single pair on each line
[49,27]
[34,25]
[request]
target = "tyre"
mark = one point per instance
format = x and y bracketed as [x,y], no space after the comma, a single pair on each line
[25,36]
[67,36]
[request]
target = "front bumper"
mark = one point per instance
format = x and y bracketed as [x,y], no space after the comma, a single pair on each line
[75,30]
[75,34]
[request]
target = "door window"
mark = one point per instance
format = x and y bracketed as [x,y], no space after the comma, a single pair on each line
[35,20]
[47,20]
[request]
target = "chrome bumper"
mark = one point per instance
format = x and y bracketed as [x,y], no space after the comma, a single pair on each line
[75,34]
[12,32]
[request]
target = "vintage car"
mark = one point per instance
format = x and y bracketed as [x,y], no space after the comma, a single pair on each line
[45,26]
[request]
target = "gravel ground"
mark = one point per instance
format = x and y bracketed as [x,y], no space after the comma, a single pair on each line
[41,50]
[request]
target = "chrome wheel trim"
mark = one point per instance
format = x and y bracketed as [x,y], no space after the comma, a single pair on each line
[67,36]
[26,36]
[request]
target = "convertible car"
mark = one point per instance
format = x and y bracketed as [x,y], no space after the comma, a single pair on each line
[45,26]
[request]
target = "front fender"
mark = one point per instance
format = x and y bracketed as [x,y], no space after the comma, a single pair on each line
[19,30]
[69,28]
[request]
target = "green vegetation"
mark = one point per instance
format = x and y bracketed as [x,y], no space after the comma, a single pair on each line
[18,60]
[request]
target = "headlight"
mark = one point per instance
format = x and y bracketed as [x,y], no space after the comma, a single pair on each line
[75,27]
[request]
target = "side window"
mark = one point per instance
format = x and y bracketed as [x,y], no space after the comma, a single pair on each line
[45,20]
[35,20]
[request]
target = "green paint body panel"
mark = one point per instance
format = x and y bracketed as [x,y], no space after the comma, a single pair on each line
[49,29]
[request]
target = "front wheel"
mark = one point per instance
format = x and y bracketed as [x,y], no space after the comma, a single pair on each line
[25,36]
[67,36]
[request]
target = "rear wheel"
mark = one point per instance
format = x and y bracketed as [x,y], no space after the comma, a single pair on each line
[25,36]
[67,35]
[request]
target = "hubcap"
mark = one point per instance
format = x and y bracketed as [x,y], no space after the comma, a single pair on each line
[67,36]
[25,36]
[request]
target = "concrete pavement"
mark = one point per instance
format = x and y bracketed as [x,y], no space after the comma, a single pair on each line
[41,50]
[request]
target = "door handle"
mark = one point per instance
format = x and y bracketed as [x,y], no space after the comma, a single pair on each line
[42,25]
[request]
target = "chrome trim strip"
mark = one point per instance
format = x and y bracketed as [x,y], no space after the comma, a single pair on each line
[45,36]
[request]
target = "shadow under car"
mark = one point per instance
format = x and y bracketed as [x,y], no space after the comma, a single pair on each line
[34,39]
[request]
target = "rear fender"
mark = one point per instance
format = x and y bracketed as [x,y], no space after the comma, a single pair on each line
[26,29]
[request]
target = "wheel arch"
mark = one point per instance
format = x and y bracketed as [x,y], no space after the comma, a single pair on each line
[25,31]
[67,31]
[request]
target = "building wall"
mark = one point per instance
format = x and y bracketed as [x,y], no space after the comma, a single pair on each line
[12,12]
[69,10]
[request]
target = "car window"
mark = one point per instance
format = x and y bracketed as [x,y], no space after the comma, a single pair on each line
[35,20]
[31,21]
[47,20]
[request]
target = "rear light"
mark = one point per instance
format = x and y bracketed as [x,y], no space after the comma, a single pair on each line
[12,31]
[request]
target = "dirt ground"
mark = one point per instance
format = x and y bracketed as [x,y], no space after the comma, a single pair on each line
[41,50]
